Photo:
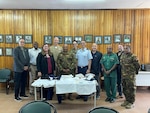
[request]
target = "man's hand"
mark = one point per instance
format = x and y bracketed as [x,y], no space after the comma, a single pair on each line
[39,74]
[25,68]
[66,70]
[87,71]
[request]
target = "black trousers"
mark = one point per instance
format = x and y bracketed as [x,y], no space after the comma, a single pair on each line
[119,80]
[20,80]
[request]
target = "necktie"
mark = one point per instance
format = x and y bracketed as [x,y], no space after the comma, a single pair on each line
[23,52]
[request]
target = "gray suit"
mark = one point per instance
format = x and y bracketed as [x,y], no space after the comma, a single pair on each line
[21,59]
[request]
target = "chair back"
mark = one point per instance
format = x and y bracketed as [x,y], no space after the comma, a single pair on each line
[38,107]
[5,74]
[103,110]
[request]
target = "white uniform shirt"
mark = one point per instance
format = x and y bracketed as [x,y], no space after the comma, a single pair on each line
[33,53]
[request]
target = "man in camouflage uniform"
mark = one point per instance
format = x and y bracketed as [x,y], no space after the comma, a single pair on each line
[66,63]
[130,66]
[74,51]
[75,47]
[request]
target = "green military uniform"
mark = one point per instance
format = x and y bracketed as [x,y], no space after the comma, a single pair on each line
[73,50]
[110,80]
[130,67]
[66,60]
[55,50]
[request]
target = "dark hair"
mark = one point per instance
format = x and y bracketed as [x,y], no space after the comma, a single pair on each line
[75,41]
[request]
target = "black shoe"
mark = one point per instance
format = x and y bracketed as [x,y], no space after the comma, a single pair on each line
[107,99]
[85,98]
[24,96]
[112,100]
[32,94]
[18,99]
[70,97]
[78,97]
[63,97]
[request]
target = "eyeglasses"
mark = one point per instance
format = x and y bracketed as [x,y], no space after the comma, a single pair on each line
[22,42]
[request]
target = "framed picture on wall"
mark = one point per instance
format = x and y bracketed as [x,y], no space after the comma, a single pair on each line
[98,39]
[18,37]
[107,39]
[127,38]
[60,39]
[1,51]
[88,38]
[1,38]
[78,39]
[68,39]
[117,38]
[9,38]
[28,39]
[8,51]
[47,39]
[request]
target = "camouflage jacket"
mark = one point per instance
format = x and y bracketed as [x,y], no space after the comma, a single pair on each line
[129,64]
[66,61]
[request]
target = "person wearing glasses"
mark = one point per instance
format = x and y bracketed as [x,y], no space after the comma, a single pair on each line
[21,66]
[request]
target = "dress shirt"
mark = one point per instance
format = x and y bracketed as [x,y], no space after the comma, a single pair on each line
[33,53]
[83,56]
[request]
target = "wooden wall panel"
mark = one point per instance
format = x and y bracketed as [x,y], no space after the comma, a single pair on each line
[78,23]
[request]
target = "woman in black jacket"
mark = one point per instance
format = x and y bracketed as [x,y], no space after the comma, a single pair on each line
[46,67]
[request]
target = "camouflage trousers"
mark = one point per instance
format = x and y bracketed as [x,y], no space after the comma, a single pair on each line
[129,88]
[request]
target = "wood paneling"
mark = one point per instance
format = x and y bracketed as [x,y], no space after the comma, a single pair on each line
[78,23]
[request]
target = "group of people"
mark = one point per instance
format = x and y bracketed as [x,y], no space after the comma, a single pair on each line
[119,68]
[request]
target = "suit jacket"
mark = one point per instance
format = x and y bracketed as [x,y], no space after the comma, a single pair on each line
[19,60]
[42,65]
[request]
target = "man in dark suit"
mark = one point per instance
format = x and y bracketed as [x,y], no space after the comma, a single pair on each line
[21,64]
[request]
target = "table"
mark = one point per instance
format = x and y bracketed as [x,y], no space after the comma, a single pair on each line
[42,83]
[67,85]
[143,78]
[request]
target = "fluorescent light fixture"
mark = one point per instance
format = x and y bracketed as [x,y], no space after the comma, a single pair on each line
[85,0]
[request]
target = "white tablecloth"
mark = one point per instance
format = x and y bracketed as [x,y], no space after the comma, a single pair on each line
[75,85]
[43,83]
[68,84]
[143,78]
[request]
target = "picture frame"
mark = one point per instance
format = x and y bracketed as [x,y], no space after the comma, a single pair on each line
[28,39]
[8,51]
[127,38]
[60,39]
[88,38]
[117,38]
[1,38]
[9,38]
[107,39]
[78,39]
[68,39]
[47,39]
[18,37]
[1,51]
[98,39]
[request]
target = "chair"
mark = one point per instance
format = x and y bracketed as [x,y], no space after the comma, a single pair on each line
[5,77]
[103,110]
[38,107]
